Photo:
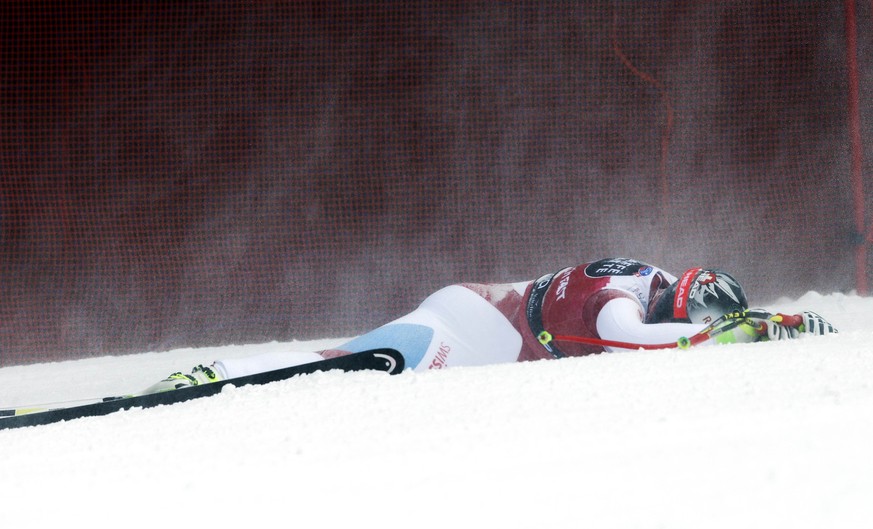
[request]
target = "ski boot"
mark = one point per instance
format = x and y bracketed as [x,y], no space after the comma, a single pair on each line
[199,375]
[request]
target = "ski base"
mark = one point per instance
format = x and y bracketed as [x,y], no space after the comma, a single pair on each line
[387,360]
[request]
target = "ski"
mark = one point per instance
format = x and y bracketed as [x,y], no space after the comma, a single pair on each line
[387,360]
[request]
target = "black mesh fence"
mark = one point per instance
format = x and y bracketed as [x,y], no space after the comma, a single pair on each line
[197,173]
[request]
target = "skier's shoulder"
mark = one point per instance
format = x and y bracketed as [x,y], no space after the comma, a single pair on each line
[617,277]
[618,267]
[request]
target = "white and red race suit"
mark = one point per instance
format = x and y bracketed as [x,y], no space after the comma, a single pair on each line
[477,324]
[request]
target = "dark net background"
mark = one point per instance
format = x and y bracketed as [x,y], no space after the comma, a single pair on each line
[202,173]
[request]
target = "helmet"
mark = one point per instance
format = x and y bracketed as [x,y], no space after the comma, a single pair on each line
[699,296]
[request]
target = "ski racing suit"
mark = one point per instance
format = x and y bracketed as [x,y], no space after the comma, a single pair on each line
[473,324]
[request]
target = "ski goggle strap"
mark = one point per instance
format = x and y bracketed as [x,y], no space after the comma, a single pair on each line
[683,289]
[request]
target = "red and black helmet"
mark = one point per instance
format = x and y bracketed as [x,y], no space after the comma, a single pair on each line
[699,296]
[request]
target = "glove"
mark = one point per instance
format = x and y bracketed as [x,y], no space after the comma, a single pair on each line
[776,330]
[772,327]
[755,325]
[789,326]
[815,324]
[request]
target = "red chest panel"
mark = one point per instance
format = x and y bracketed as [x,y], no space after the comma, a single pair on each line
[571,305]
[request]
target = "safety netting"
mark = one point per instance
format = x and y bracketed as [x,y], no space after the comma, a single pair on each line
[179,174]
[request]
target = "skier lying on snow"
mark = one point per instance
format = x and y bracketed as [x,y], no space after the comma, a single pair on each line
[607,305]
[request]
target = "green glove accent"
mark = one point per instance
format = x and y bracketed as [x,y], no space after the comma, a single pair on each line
[745,332]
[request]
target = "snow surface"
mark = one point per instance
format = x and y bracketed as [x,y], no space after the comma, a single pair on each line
[760,435]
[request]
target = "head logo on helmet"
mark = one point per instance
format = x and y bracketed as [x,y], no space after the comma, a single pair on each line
[699,296]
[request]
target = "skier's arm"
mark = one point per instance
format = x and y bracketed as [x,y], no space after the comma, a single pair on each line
[621,319]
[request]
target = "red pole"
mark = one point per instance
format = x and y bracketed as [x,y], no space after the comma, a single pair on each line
[857,148]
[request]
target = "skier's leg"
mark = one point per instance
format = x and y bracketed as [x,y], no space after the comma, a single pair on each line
[471,331]
[452,327]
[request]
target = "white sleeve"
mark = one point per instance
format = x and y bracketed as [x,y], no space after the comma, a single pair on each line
[621,319]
